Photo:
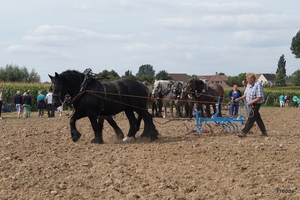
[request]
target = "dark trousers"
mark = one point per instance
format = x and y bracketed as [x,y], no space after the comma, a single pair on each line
[234,109]
[50,109]
[295,104]
[254,116]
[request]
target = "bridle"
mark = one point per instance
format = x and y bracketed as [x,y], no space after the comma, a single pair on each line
[56,87]
[193,92]
[157,90]
[177,89]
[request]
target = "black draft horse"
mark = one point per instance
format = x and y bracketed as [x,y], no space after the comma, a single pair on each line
[201,93]
[91,99]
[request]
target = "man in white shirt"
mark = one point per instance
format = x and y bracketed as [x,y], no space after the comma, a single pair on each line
[50,107]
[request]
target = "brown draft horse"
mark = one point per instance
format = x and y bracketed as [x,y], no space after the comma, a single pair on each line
[198,91]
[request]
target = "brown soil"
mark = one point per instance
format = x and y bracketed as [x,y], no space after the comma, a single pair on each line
[40,161]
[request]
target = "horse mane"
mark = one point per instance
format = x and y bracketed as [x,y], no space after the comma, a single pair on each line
[73,75]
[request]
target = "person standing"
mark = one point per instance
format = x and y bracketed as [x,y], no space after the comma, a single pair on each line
[234,106]
[254,95]
[298,102]
[41,105]
[295,101]
[26,104]
[281,100]
[1,101]
[60,109]
[287,100]
[18,103]
[50,107]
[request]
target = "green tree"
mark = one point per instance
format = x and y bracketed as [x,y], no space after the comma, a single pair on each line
[128,74]
[163,75]
[106,76]
[33,77]
[281,65]
[295,46]
[193,76]
[146,78]
[236,79]
[296,78]
[146,70]
[280,78]
[13,73]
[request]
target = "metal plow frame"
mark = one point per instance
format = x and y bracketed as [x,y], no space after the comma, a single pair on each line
[227,124]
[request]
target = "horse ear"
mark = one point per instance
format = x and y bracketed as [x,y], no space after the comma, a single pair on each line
[51,77]
[56,75]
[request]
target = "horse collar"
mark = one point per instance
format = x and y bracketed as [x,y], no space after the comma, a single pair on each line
[87,79]
[167,90]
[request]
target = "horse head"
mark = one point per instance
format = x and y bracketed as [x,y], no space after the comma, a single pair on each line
[157,88]
[195,88]
[177,89]
[60,85]
[56,89]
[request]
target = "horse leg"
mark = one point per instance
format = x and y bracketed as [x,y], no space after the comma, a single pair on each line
[165,109]
[207,109]
[97,125]
[75,134]
[178,108]
[171,107]
[154,109]
[220,108]
[200,107]
[149,128]
[133,125]
[190,109]
[112,122]
[138,122]
[186,109]
[159,105]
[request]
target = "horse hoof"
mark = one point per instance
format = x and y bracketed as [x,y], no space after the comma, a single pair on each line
[128,139]
[120,137]
[97,141]
[75,138]
[145,135]
[152,138]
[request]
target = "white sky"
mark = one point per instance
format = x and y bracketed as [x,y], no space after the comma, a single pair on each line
[179,36]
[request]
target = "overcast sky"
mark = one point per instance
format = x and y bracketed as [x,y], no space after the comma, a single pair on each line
[179,36]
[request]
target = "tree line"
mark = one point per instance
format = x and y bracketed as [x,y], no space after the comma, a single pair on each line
[14,73]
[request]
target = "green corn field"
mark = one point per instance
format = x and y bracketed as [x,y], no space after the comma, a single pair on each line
[9,90]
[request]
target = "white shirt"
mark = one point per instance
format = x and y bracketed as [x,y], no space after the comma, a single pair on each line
[49,98]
